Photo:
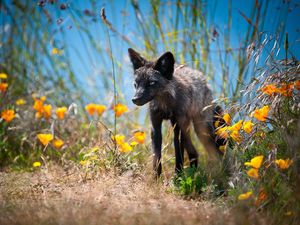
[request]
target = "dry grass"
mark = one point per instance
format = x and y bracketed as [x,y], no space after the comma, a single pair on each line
[57,196]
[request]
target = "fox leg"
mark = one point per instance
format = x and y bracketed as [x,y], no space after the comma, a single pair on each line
[156,137]
[179,150]
[187,144]
[191,150]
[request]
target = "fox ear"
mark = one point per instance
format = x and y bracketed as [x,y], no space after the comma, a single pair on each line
[136,59]
[165,65]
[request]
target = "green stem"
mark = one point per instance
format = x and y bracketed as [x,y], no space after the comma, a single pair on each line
[113,71]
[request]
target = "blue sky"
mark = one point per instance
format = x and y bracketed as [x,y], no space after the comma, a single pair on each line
[90,66]
[277,15]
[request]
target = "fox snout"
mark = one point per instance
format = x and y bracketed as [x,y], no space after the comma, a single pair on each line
[141,98]
[138,101]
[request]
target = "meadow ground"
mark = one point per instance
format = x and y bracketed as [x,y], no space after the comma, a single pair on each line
[65,196]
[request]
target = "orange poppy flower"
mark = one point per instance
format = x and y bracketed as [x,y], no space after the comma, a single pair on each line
[60,112]
[120,109]
[245,196]
[262,113]
[227,118]
[255,162]
[3,87]
[283,163]
[269,89]
[253,173]
[58,143]
[20,101]
[140,136]
[8,115]
[47,111]
[45,138]
[236,136]
[100,109]
[247,126]
[222,132]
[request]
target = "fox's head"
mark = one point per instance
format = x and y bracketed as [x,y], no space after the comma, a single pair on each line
[150,78]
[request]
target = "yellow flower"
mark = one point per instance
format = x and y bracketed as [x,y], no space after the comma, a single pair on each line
[38,115]
[58,143]
[222,148]
[262,113]
[125,147]
[247,126]
[3,76]
[140,136]
[236,136]
[222,132]
[3,86]
[134,143]
[8,115]
[56,51]
[216,124]
[42,110]
[91,108]
[120,109]
[237,126]
[20,101]
[253,173]
[39,103]
[45,138]
[36,164]
[47,111]
[227,118]
[100,109]
[288,213]
[60,112]
[83,162]
[255,162]
[283,163]
[245,196]
[119,138]
[269,89]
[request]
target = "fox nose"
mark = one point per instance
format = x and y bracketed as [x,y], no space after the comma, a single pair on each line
[135,100]
[138,101]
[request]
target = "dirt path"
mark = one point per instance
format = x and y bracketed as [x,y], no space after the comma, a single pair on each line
[55,196]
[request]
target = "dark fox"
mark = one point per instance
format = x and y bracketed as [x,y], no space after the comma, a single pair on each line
[181,95]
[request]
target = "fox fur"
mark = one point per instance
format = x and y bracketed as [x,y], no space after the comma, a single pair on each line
[179,94]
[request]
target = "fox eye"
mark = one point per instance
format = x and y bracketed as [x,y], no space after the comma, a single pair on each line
[135,85]
[152,83]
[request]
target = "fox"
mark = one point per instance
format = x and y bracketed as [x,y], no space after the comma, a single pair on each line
[181,95]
